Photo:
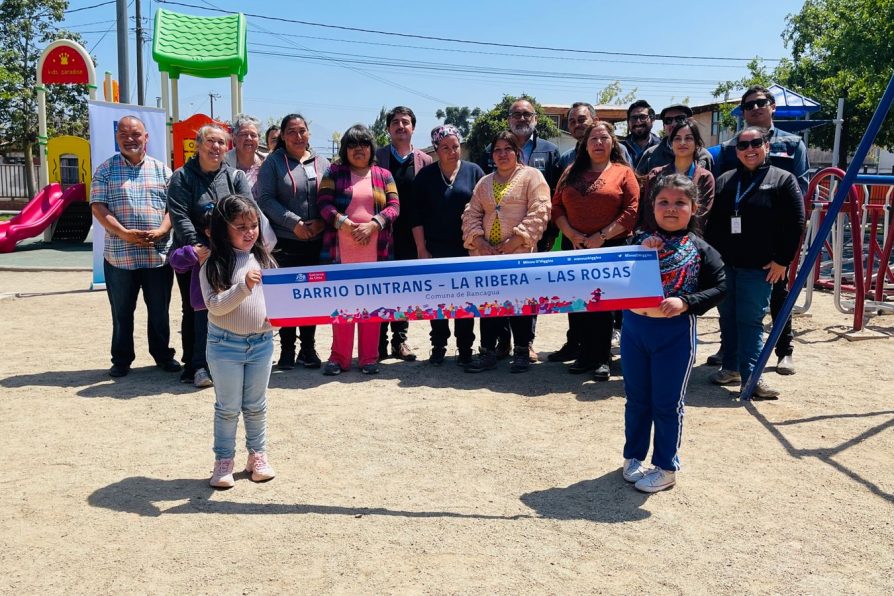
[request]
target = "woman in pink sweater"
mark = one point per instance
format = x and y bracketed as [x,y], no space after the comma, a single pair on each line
[508,213]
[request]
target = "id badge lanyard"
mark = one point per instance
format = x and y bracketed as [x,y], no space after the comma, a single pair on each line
[736,221]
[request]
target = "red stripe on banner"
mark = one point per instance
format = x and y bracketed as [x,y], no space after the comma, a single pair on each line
[602,305]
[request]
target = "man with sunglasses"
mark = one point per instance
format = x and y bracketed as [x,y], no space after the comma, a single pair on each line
[661,154]
[640,137]
[787,152]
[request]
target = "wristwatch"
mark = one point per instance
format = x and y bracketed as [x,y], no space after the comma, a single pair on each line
[602,235]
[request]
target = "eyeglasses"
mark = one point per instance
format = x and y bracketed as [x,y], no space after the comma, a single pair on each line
[639,118]
[358,144]
[674,120]
[521,115]
[753,143]
[755,104]
[579,120]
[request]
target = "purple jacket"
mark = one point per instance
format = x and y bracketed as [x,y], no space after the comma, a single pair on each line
[185,259]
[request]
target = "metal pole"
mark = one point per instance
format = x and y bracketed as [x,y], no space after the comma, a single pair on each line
[141,97]
[806,269]
[839,120]
[123,64]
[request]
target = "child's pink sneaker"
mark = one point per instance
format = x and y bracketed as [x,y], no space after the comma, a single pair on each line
[258,467]
[222,477]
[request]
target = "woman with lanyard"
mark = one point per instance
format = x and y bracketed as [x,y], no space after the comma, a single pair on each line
[193,191]
[441,192]
[287,194]
[685,141]
[755,225]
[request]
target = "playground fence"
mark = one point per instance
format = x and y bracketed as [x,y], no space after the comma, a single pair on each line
[12,181]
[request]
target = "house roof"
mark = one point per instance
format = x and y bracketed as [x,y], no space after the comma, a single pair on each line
[206,47]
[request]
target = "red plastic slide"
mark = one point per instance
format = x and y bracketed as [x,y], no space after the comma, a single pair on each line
[40,212]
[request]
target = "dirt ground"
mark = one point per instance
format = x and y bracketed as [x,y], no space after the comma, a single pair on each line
[430,481]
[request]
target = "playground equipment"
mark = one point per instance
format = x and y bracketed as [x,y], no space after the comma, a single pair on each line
[64,161]
[861,230]
[206,47]
[806,269]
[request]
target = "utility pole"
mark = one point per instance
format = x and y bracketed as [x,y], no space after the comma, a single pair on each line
[123,72]
[212,96]
[141,98]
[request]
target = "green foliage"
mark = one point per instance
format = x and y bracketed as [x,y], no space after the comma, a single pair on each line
[379,128]
[26,28]
[460,117]
[497,118]
[843,48]
[611,95]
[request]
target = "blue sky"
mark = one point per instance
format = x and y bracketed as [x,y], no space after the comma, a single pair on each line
[335,77]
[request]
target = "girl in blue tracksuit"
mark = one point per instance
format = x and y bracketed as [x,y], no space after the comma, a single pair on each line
[658,343]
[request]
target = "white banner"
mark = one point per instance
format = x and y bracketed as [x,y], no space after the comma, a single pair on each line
[104,119]
[506,285]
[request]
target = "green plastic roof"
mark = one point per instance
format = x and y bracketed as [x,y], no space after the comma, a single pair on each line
[207,47]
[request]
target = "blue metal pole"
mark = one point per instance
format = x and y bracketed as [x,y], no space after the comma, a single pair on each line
[814,250]
[874,179]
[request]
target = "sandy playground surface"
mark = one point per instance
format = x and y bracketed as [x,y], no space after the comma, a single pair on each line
[432,481]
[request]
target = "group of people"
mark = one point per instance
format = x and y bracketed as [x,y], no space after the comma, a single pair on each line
[233,213]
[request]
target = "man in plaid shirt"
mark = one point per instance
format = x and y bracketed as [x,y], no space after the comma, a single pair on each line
[127,197]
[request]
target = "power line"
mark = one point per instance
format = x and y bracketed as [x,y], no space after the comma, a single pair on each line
[467,41]
[89,7]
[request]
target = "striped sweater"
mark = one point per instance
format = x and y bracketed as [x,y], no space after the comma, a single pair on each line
[237,308]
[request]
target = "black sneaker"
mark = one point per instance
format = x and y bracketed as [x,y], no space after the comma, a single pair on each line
[716,359]
[286,360]
[521,361]
[437,356]
[307,357]
[188,375]
[566,353]
[464,357]
[602,372]
[485,361]
[370,369]
[169,365]
[581,365]
[403,352]
[119,370]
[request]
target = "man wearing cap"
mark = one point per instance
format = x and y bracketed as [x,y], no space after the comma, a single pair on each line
[640,117]
[788,152]
[661,154]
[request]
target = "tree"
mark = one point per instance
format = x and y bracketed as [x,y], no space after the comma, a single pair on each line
[758,74]
[26,27]
[496,119]
[460,117]
[843,48]
[611,95]
[379,128]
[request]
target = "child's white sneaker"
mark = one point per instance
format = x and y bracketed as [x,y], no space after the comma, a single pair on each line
[656,480]
[222,477]
[258,467]
[633,470]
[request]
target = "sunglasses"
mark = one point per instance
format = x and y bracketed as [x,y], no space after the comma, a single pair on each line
[755,104]
[355,145]
[753,143]
[674,120]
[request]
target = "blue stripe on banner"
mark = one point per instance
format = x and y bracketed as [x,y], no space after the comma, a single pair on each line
[384,269]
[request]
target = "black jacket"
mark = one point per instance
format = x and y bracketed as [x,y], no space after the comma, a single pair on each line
[192,192]
[772,217]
